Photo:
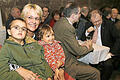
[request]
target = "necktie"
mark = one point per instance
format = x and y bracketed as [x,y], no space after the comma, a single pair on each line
[95,35]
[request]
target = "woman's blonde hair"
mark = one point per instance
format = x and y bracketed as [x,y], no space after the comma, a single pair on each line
[27,8]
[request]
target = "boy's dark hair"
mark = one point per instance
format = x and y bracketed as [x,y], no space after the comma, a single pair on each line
[42,30]
[14,20]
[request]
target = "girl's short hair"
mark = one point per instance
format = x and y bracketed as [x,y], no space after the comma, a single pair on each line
[28,7]
[43,30]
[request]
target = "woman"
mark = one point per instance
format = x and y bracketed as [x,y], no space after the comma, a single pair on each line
[31,13]
[55,17]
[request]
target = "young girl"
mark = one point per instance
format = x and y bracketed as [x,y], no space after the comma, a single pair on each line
[54,53]
[27,55]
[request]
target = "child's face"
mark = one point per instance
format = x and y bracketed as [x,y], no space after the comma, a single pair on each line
[48,37]
[18,30]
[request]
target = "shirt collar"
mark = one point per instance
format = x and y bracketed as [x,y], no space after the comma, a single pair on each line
[69,21]
[98,27]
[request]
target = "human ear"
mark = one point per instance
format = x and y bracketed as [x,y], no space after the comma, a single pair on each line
[9,31]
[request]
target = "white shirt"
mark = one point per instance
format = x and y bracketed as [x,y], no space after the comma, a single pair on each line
[112,19]
[98,42]
[69,21]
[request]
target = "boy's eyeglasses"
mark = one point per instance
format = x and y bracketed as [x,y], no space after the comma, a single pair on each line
[18,28]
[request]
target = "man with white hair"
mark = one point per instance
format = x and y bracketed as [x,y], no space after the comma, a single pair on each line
[14,13]
[114,15]
[65,32]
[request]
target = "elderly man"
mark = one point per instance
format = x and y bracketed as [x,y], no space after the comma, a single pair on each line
[15,13]
[65,32]
[103,32]
[114,15]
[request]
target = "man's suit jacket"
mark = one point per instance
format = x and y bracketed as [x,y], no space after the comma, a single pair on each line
[110,36]
[65,33]
[116,20]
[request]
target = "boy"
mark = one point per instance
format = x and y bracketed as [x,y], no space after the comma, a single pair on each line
[27,55]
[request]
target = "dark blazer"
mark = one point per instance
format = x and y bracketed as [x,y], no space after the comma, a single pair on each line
[81,28]
[116,20]
[110,36]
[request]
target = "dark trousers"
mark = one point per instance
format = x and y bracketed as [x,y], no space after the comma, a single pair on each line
[82,71]
[105,68]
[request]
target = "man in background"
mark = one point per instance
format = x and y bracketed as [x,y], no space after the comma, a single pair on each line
[47,15]
[104,33]
[114,15]
[14,13]
[80,26]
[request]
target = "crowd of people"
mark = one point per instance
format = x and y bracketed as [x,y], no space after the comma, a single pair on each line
[44,46]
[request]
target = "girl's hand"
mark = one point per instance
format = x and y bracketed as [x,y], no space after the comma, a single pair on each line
[59,63]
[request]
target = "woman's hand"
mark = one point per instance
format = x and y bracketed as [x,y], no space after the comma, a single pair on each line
[59,74]
[49,79]
[26,74]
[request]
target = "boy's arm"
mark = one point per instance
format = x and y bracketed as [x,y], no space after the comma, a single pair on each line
[26,74]
[5,72]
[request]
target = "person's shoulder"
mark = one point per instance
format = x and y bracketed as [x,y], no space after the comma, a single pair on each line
[35,45]
[62,19]
[29,39]
[7,44]
[108,22]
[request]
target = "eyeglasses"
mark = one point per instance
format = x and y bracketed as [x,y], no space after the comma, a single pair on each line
[97,21]
[18,28]
[31,18]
